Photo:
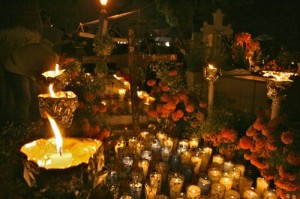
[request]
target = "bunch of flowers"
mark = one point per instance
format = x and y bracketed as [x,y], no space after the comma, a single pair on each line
[273,147]
[245,51]
[176,109]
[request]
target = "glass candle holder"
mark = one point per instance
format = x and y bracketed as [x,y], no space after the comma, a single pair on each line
[193,191]
[231,194]
[147,155]
[218,159]
[183,145]
[156,180]
[243,183]
[176,181]
[155,145]
[261,185]
[127,162]
[217,191]
[187,171]
[132,142]
[136,189]
[241,168]
[204,154]
[150,191]
[204,183]
[175,162]
[139,148]
[270,194]
[227,166]
[165,154]
[193,143]
[186,157]
[168,143]
[161,196]
[235,173]
[180,195]
[250,193]
[137,175]
[144,164]
[227,181]
[196,162]
[214,174]
[161,137]
[164,169]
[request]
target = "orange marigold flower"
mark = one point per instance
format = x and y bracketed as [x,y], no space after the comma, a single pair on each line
[228,134]
[189,108]
[203,105]
[151,82]
[173,73]
[259,143]
[152,113]
[293,158]
[259,164]
[286,185]
[183,96]
[247,156]
[251,132]
[200,116]
[270,146]
[258,124]
[165,98]
[194,124]
[245,143]
[265,132]
[170,105]
[287,137]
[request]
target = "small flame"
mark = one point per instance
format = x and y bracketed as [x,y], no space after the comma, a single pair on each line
[57,68]
[211,66]
[58,137]
[103,2]
[52,93]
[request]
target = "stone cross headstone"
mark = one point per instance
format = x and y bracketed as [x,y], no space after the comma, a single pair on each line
[212,35]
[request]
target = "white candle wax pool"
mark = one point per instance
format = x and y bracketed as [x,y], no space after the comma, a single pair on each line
[61,161]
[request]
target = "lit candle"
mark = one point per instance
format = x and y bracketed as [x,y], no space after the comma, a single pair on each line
[132,142]
[227,166]
[164,169]
[194,142]
[250,193]
[196,162]
[59,160]
[156,180]
[169,143]
[139,148]
[165,154]
[161,136]
[53,73]
[150,191]
[183,145]
[217,191]
[218,159]
[144,164]
[175,183]
[231,194]
[204,154]
[155,145]
[136,189]
[144,134]
[227,182]
[120,145]
[244,182]
[241,168]
[147,155]
[122,92]
[235,174]
[270,194]
[186,157]
[214,174]
[204,183]
[193,191]
[261,185]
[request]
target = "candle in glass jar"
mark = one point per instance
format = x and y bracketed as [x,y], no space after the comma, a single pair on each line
[241,168]
[156,180]
[136,189]
[217,191]
[231,194]
[175,184]
[227,182]
[261,185]
[243,183]
[139,148]
[214,174]
[147,155]
[204,183]
[194,142]
[193,191]
[144,134]
[132,143]
[169,143]
[161,136]
[150,191]
[196,162]
[250,193]
[186,157]
[218,159]
[144,164]
[227,166]
[183,145]
[270,194]
[155,145]
[165,154]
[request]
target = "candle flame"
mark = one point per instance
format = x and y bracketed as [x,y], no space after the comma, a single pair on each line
[52,93]
[57,68]
[58,137]
[103,2]
[211,66]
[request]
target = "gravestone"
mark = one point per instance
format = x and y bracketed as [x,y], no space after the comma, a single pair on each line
[213,34]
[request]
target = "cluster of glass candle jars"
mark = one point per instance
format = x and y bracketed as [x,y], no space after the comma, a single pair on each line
[159,166]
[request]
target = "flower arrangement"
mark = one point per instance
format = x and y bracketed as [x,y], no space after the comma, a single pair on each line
[245,51]
[176,109]
[273,147]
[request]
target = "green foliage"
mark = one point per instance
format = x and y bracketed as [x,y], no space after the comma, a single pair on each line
[103,45]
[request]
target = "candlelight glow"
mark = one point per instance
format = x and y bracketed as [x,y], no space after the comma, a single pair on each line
[279,76]
[52,93]
[57,68]
[58,137]
[103,2]
[53,73]
[211,66]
